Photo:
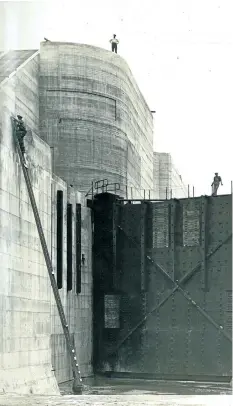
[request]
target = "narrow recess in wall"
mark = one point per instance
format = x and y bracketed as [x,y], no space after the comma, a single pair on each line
[191,224]
[78,248]
[69,247]
[111,311]
[59,238]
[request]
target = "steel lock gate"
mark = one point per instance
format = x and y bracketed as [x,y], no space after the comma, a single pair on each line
[162,287]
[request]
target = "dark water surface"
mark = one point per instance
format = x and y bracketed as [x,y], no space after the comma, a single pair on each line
[122,386]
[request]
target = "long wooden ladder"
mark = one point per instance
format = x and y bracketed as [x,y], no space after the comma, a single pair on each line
[77,382]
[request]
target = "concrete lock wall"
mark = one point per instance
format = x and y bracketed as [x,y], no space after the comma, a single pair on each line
[167,182]
[92,110]
[78,308]
[30,339]
[25,352]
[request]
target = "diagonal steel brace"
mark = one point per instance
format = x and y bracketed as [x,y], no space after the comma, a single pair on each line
[184,279]
[199,308]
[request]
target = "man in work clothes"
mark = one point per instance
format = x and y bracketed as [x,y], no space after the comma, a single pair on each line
[21,132]
[215,184]
[114,41]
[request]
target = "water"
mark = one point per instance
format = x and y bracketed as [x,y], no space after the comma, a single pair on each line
[128,392]
[108,386]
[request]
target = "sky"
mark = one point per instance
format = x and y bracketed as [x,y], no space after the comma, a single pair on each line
[181,54]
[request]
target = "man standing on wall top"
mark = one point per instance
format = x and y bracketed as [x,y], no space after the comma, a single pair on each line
[21,132]
[114,41]
[215,184]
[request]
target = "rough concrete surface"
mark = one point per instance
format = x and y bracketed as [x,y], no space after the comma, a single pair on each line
[32,344]
[12,60]
[92,110]
[78,308]
[25,353]
[167,182]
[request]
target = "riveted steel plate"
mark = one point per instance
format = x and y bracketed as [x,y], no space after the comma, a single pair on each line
[177,323]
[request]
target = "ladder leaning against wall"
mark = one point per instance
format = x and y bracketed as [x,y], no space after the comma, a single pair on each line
[77,382]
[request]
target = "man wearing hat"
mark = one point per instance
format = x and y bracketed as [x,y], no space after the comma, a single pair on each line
[21,132]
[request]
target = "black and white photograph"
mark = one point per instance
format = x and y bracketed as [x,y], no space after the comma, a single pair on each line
[116,183]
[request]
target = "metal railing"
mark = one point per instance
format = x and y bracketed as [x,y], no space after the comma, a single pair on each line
[128,192]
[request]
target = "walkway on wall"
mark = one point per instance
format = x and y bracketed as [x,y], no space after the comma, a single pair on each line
[138,194]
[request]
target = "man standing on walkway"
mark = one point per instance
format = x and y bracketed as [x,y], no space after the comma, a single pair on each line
[114,41]
[215,184]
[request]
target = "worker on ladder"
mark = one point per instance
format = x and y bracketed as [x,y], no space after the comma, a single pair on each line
[215,184]
[114,41]
[20,133]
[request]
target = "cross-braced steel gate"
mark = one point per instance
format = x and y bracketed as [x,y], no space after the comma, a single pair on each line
[162,287]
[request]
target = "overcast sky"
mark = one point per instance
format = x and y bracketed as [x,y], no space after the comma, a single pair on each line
[181,54]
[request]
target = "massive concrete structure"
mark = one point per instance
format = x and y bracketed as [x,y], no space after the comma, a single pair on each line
[33,355]
[94,115]
[85,103]
[167,182]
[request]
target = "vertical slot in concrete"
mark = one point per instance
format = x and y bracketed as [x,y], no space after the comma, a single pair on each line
[69,248]
[59,239]
[78,249]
